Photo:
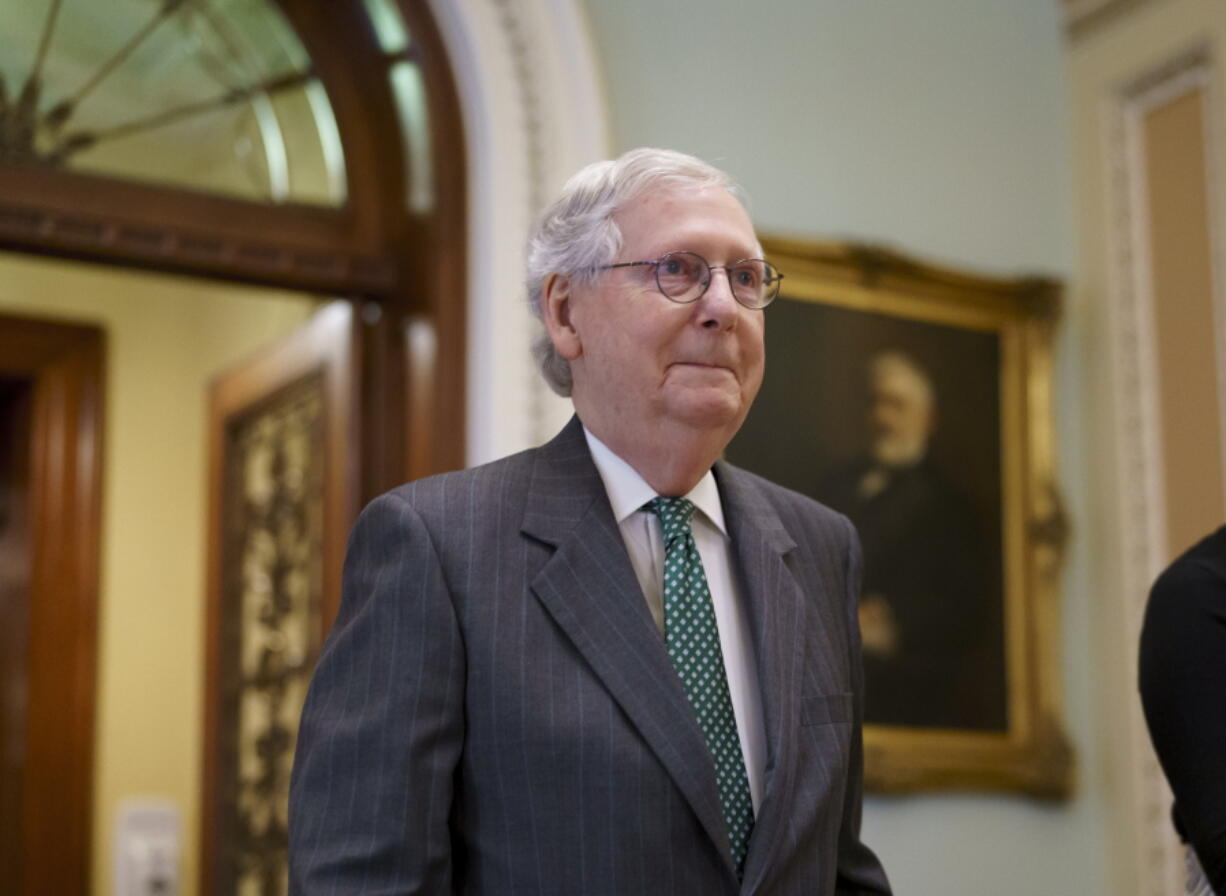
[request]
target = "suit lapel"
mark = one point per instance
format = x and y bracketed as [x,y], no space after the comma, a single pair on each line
[590,590]
[775,602]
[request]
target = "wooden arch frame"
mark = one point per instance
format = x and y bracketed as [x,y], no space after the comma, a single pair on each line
[370,250]
[405,274]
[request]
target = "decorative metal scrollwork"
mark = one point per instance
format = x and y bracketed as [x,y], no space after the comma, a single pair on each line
[32,132]
[274,511]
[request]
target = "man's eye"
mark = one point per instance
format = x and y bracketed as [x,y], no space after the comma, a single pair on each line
[680,267]
[747,276]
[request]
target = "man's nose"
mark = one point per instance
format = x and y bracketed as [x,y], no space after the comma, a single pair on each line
[719,307]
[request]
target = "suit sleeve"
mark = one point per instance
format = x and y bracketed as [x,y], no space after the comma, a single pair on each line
[859,871]
[383,725]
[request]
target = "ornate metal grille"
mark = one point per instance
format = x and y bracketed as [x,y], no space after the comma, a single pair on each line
[272,571]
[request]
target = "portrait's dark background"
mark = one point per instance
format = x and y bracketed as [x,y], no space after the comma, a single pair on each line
[811,421]
[812,412]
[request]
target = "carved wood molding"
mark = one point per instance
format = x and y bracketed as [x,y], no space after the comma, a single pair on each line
[206,251]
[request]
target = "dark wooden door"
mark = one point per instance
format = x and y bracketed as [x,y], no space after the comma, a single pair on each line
[51,398]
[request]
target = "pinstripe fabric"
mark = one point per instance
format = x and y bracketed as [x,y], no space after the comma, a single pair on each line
[495,713]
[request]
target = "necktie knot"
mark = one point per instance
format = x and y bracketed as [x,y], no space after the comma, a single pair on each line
[675,515]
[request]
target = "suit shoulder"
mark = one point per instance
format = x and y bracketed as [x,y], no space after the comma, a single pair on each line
[795,509]
[465,492]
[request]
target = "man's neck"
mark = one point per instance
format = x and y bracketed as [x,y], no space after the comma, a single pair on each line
[671,459]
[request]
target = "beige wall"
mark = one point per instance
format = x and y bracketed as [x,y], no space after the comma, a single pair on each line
[166,337]
[1173,136]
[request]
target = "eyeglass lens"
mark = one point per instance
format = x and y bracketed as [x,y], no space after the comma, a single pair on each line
[684,276]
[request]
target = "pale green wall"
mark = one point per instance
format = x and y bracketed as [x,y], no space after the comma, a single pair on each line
[937,127]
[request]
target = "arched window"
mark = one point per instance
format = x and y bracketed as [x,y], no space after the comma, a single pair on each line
[289,143]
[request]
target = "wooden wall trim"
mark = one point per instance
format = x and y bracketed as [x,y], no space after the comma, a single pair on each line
[92,219]
[64,364]
[438,421]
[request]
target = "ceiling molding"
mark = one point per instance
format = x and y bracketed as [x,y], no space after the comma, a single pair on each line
[1083,17]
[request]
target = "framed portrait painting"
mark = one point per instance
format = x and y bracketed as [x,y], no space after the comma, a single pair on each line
[916,400]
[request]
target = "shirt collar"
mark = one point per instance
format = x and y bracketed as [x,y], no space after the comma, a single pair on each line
[628,491]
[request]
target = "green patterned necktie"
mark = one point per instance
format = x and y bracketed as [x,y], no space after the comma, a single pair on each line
[692,639]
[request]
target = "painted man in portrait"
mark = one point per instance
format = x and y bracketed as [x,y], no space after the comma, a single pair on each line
[930,614]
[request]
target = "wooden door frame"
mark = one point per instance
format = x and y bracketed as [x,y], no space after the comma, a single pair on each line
[64,366]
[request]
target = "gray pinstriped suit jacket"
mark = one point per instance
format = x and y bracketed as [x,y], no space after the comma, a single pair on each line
[495,713]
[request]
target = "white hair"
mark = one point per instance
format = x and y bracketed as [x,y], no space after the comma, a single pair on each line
[577,234]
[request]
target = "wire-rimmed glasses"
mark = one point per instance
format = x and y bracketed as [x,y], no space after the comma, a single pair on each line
[684,277]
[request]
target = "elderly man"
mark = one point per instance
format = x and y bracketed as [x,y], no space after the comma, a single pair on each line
[613,664]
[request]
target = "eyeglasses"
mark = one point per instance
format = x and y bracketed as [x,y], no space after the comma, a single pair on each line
[684,277]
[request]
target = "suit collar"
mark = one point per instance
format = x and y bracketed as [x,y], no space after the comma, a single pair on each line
[776,602]
[754,514]
[590,590]
[628,491]
[563,487]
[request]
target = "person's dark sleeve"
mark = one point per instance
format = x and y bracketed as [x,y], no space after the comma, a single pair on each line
[1183,691]
[859,871]
[382,729]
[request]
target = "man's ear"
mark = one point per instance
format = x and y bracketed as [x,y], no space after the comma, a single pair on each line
[557,303]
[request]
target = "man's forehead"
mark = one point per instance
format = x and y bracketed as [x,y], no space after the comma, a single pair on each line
[678,211]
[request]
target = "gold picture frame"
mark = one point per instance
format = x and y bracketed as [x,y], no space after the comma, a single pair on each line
[920,399]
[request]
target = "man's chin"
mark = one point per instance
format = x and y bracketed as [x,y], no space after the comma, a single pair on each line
[711,409]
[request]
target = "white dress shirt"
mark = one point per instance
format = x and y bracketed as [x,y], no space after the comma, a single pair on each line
[640,530]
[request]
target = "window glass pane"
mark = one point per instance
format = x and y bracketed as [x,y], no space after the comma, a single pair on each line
[211,95]
[389,25]
[410,95]
[409,92]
